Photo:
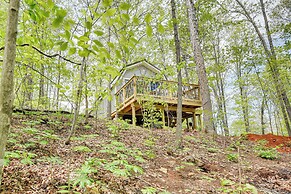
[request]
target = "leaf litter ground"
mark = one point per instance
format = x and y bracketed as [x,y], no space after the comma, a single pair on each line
[39,162]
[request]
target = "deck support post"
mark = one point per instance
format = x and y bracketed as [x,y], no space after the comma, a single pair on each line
[187,122]
[200,120]
[194,120]
[133,114]
[163,118]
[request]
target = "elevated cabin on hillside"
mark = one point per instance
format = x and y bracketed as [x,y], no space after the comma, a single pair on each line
[138,87]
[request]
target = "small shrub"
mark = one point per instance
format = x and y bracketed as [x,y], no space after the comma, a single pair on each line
[82,149]
[270,153]
[266,152]
[232,157]
[149,190]
[212,150]
[150,154]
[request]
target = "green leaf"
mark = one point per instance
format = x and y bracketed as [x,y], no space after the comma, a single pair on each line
[107,3]
[118,54]
[82,149]
[67,35]
[63,191]
[57,22]
[149,30]
[50,4]
[88,25]
[95,48]
[61,13]
[83,53]
[161,28]
[84,38]
[64,46]
[72,51]
[125,17]
[110,12]
[98,43]
[135,20]
[148,18]
[111,71]
[124,6]
[32,15]
[111,45]
[98,32]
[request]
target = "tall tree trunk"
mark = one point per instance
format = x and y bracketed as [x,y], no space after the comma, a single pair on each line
[245,107]
[270,118]
[41,88]
[220,87]
[86,95]
[262,115]
[109,101]
[7,79]
[77,102]
[201,70]
[178,61]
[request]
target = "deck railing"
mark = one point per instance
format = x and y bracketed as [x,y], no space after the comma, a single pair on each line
[137,86]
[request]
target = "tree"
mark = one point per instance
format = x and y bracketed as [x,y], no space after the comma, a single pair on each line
[7,79]
[201,70]
[179,74]
[271,58]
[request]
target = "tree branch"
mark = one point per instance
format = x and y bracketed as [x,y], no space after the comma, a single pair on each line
[47,55]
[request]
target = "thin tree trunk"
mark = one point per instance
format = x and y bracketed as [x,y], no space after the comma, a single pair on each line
[270,118]
[77,102]
[86,95]
[41,88]
[262,116]
[178,61]
[201,70]
[7,79]
[109,101]
[58,90]
[220,86]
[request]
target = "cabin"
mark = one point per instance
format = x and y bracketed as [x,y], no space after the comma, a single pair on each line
[137,88]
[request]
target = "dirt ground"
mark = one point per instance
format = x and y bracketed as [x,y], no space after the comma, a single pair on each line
[283,144]
[39,162]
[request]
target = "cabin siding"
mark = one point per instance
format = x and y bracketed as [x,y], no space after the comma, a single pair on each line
[139,69]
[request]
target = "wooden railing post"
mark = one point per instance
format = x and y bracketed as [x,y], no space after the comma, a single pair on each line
[133,114]
[134,87]
[199,93]
[124,94]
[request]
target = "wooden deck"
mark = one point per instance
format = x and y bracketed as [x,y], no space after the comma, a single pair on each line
[163,94]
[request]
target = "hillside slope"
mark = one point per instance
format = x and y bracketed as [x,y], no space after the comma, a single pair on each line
[114,157]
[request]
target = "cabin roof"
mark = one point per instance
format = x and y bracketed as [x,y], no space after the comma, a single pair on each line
[143,62]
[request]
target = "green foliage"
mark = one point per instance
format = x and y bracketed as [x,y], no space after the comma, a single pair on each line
[150,154]
[150,142]
[119,164]
[30,130]
[82,149]
[116,127]
[228,186]
[25,157]
[266,152]
[149,190]
[270,153]
[213,150]
[51,159]
[232,157]
[82,178]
